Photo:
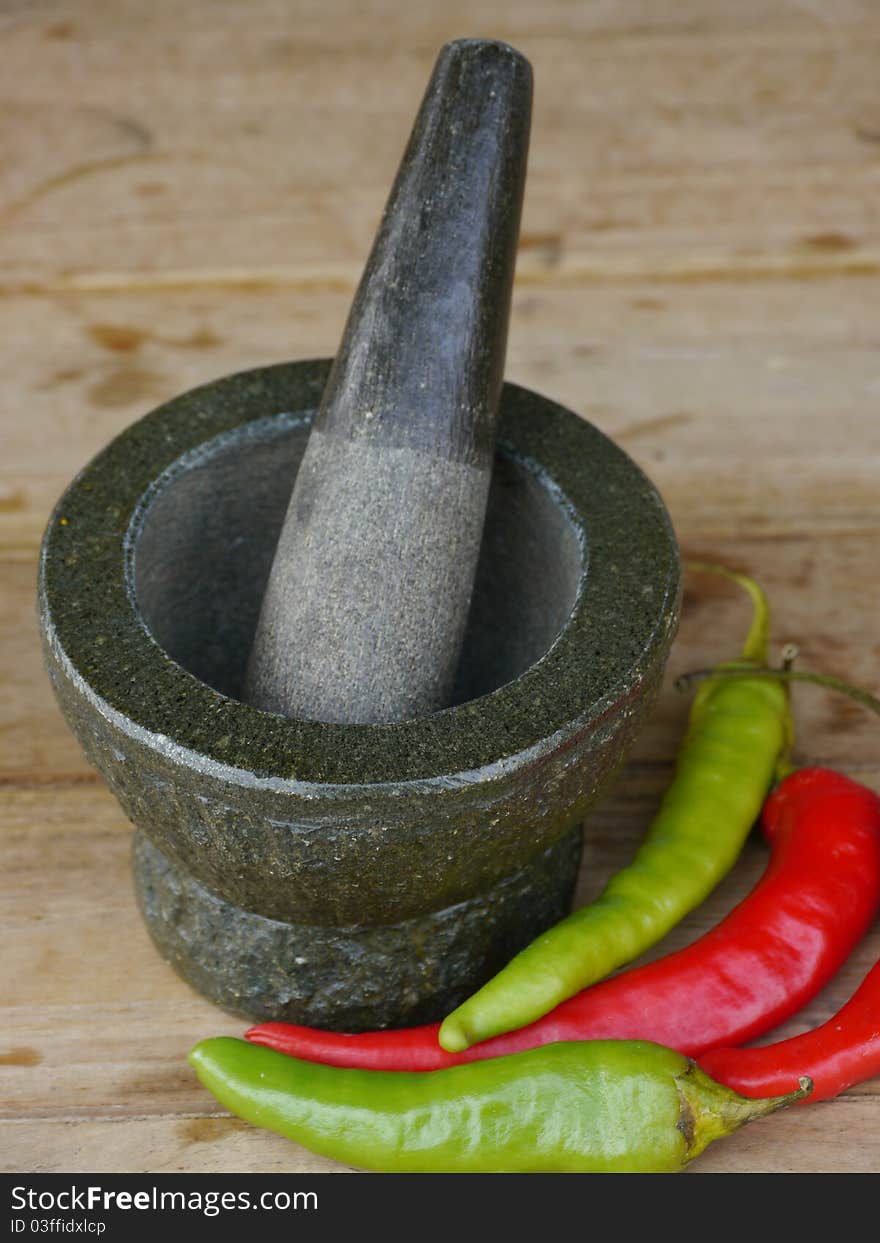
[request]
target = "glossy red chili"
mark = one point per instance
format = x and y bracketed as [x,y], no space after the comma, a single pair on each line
[759,966]
[843,1051]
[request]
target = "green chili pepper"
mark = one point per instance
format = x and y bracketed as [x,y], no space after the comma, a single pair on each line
[738,733]
[590,1106]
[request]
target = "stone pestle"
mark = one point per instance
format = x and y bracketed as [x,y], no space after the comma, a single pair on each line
[366,603]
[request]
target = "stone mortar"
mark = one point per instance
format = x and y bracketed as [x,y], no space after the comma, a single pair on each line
[350,876]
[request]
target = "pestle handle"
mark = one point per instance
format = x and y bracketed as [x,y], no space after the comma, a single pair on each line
[368,595]
[434,301]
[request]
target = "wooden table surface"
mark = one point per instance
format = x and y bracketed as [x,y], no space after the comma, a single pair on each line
[190,187]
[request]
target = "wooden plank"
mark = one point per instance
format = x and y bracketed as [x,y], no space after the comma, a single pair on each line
[191,190]
[840,1136]
[67,853]
[824,593]
[644,126]
[205,1144]
[35,744]
[89,1008]
[752,414]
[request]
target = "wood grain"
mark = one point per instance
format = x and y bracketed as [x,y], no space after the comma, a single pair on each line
[192,190]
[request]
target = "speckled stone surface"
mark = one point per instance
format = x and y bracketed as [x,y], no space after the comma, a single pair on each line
[390,975]
[354,825]
[364,612]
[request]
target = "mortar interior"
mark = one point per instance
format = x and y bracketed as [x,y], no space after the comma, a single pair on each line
[111,673]
[203,549]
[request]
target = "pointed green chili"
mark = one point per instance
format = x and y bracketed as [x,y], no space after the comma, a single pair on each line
[738,736]
[599,1106]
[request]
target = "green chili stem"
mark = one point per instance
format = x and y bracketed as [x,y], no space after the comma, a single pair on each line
[865,698]
[757,645]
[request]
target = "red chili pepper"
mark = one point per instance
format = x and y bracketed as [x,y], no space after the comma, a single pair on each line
[759,966]
[843,1051]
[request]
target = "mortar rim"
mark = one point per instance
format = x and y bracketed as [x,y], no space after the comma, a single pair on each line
[449,747]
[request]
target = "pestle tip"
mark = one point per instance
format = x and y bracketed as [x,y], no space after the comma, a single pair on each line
[489,46]
[485,53]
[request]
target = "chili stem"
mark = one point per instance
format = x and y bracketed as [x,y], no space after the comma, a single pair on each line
[757,641]
[865,698]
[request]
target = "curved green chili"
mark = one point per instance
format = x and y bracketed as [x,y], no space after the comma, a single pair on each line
[738,732]
[591,1106]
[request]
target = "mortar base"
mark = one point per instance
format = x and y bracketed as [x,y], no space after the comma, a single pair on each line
[348,979]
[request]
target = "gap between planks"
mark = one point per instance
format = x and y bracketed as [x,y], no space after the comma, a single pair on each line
[607,268]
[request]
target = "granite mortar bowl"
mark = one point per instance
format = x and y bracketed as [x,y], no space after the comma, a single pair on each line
[350,876]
